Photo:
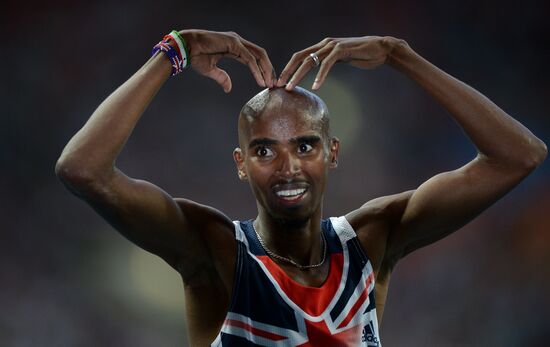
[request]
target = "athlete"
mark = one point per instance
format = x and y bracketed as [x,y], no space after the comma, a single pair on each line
[289,277]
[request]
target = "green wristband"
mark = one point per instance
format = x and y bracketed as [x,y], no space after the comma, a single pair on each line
[183,47]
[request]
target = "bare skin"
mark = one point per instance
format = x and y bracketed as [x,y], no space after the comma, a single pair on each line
[198,240]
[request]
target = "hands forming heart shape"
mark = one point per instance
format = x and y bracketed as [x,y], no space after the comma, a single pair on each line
[208,47]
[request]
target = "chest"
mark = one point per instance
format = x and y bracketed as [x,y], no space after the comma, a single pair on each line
[269,298]
[312,277]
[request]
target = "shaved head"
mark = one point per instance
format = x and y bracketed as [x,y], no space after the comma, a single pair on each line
[279,100]
[284,145]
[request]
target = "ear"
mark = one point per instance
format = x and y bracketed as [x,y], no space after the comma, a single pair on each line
[334,148]
[238,156]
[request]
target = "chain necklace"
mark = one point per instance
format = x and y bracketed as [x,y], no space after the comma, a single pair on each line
[279,257]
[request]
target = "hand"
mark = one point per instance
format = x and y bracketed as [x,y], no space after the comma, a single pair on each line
[208,47]
[364,52]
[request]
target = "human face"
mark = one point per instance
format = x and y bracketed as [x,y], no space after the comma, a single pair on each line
[286,160]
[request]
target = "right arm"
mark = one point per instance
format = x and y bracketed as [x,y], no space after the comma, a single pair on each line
[141,211]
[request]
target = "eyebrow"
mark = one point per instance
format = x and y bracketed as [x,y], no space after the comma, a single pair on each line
[310,139]
[264,141]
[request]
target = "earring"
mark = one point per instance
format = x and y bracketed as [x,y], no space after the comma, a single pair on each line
[242,175]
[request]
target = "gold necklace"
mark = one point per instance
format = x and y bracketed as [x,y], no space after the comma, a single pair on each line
[290,261]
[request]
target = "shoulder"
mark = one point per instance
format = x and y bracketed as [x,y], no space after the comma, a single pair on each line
[385,208]
[214,231]
[374,220]
[203,215]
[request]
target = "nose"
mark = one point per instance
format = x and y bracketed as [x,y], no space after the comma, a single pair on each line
[289,165]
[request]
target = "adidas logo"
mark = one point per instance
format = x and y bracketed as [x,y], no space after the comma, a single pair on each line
[369,335]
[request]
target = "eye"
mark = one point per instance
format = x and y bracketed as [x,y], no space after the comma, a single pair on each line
[304,148]
[264,152]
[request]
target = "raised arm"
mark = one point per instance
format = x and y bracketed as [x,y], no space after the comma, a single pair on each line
[141,211]
[507,151]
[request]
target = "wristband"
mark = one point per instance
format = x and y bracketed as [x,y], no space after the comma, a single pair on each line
[182,47]
[171,54]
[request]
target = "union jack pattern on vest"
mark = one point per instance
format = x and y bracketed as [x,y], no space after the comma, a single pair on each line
[268,308]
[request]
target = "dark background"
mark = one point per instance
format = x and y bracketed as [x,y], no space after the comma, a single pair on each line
[68,279]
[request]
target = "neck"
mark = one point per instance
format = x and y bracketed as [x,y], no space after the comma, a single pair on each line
[299,240]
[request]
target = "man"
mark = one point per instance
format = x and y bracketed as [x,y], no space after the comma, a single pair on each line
[288,277]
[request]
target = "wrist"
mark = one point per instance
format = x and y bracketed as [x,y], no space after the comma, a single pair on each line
[189,36]
[160,62]
[397,50]
[173,46]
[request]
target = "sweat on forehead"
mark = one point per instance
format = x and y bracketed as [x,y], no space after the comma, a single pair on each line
[300,99]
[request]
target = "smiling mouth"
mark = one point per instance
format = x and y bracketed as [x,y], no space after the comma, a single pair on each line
[291,195]
[290,192]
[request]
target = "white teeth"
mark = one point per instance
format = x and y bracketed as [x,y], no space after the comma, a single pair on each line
[291,192]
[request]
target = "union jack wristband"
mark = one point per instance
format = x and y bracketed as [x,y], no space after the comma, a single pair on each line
[172,54]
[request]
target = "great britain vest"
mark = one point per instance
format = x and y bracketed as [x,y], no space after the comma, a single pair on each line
[268,308]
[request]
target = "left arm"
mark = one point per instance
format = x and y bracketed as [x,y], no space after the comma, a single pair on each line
[507,151]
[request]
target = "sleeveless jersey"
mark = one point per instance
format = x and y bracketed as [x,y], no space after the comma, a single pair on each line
[268,308]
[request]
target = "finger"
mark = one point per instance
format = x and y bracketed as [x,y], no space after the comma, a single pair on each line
[326,64]
[306,66]
[221,77]
[244,56]
[295,61]
[262,59]
[291,66]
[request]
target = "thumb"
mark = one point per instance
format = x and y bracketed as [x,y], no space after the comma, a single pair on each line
[221,77]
